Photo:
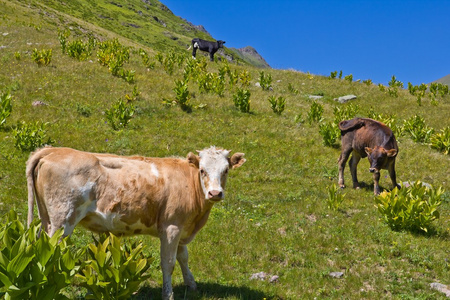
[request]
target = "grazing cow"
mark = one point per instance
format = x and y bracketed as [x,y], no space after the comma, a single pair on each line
[367,137]
[169,198]
[207,46]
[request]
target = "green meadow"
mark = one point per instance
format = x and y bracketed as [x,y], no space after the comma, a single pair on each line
[276,216]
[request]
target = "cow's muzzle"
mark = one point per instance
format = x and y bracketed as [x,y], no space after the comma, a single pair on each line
[373,170]
[215,195]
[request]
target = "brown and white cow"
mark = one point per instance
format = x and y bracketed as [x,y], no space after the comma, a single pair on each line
[366,137]
[169,198]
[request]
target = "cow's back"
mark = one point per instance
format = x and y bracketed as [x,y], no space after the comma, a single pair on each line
[359,133]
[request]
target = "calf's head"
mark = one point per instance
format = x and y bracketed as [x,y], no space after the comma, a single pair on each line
[378,157]
[220,43]
[213,165]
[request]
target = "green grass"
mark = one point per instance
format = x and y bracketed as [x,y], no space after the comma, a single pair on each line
[275,217]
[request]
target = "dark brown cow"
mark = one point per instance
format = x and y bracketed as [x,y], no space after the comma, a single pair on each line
[169,198]
[366,137]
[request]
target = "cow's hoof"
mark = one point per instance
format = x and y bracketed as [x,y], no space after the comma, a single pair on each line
[192,286]
[342,186]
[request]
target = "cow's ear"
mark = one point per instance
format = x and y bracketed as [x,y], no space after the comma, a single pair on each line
[237,160]
[391,153]
[193,159]
[368,150]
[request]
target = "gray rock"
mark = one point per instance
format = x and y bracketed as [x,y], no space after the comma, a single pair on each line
[440,288]
[344,99]
[259,276]
[274,279]
[336,274]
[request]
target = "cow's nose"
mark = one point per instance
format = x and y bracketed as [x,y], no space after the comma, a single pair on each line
[371,170]
[215,194]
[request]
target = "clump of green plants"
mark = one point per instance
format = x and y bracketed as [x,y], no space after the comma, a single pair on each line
[411,208]
[120,114]
[333,75]
[42,57]
[84,110]
[146,60]
[32,265]
[182,96]
[394,85]
[335,198]
[241,100]
[292,90]
[113,270]
[169,60]
[330,133]
[441,140]
[5,107]
[418,91]
[417,129]
[78,49]
[346,112]
[389,120]
[265,81]
[349,78]
[315,112]
[277,104]
[211,83]
[17,55]
[368,82]
[245,78]
[113,54]
[29,136]
[62,37]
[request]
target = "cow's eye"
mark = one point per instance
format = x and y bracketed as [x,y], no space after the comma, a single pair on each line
[202,172]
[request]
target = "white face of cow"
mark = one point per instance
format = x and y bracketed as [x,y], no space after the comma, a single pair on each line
[213,166]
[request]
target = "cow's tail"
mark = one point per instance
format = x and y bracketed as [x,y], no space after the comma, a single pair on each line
[32,162]
[352,124]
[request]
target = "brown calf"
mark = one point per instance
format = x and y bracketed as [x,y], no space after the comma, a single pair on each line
[170,198]
[366,137]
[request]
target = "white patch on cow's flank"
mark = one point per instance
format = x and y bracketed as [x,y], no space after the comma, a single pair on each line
[154,170]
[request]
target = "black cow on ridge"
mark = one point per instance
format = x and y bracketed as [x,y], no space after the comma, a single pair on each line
[208,46]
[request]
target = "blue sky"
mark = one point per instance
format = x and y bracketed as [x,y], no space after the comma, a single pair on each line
[369,39]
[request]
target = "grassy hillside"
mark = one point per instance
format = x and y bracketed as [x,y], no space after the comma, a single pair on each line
[275,218]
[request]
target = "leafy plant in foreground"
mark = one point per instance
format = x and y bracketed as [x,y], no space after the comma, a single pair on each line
[417,129]
[411,208]
[241,100]
[182,95]
[42,57]
[120,114]
[29,136]
[34,267]
[5,107]
[329,132]
[315,113]
[441,140]
[394,85]
[265,81]
[113,270]
[277,104]
[335,197]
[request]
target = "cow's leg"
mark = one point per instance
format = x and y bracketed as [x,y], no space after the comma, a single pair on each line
[182,258]
[194,50]
[170,238]
[376,179]
[353,164]
[211,56]
[345,153]
[393,176]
